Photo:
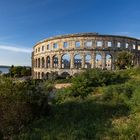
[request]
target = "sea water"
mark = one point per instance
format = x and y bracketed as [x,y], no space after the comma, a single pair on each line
[4,70]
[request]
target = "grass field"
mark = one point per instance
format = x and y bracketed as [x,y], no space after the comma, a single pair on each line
[109,113]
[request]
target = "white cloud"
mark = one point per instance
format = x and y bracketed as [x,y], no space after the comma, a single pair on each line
[130,34]
[15,58]
[15,49]
[123,33]
[13,55]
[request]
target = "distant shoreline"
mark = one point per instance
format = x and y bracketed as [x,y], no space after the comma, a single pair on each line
[2,66]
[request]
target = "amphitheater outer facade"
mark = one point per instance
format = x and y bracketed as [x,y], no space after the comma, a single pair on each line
[71,54]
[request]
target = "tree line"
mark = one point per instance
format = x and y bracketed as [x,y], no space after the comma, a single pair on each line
[18,71]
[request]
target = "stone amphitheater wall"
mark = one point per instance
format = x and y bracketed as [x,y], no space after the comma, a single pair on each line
[71,54]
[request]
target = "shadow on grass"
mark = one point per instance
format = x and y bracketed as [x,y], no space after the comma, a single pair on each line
[76,120]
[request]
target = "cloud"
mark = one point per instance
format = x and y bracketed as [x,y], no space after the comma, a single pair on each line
[123,33]
[15,49]
[14,58]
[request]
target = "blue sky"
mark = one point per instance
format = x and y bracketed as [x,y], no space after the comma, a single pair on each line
[25,22]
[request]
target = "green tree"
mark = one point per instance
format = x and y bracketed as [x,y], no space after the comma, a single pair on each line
[11,71]
[124,60]
[19,71]
[25,71]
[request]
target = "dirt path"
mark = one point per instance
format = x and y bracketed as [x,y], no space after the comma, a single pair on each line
[63,85]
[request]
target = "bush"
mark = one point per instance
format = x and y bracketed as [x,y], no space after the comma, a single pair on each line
[14,117]
[135,101]
[84,83]
[126,128]
[121,93]
[61,95]
[20,103]
[124,60]
[81,86]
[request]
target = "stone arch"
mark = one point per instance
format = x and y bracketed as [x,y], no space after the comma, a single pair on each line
[47,75]
[135,60]
[36,75]
[98,60]
[88,59]
[43,62]
[138,60]
[48,62]
[39,77]
[108,63]
[55,61]
[77,61]
[65,61]
[53,75]
[38,62]
[42,75]
[64,74]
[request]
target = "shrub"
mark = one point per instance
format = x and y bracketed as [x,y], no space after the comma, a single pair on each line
[124,60]
[126,128]
[84,83]
[61,95]
[121,93]
[21,102]
[135,101]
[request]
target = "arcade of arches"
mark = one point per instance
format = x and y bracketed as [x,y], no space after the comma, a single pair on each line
[73,61]
[70,54]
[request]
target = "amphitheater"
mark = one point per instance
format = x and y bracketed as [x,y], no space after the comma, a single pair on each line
[73,53]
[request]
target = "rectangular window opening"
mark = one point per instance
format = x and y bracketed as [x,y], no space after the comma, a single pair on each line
[118,44]
[65,44]
[55,45]
[109,44]
[77,44]
[99,43]
[89,44]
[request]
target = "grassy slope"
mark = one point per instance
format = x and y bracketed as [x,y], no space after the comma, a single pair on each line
[88,119]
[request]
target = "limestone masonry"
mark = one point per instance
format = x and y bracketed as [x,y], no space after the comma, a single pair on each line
[70,54]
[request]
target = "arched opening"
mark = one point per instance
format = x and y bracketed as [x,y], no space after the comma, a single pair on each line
[65,75]
[65,61]
[38,75]
[98,61]
[47,75]
[77,61]
[43,62]
[47,62]
[139,60]
[53,75]
[134,60]
[55,61]
[38,62]
[88,61]
[108,62]
[42,75]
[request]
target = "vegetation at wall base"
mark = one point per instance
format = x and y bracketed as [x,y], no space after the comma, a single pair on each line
[19,71]
[100,104]
[124,60]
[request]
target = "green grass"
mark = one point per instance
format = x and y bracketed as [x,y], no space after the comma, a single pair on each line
[113,115]
[76,120]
